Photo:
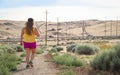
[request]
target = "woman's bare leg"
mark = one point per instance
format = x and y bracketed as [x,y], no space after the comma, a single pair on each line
[27,55]
[33,54]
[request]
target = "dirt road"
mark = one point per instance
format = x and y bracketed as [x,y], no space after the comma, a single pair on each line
[40,67]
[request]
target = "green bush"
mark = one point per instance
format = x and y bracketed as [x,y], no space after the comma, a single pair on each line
[59,49]
[53,50]
[7,49]
[71,48]
[86,49]
[19,48]
[23,54]
[100,62]
[68,60]
[54,46]
[117,49]
[9,60]
[108,60]
[1,52]
[43,47]
[68,73]
[4,70]
[39,51]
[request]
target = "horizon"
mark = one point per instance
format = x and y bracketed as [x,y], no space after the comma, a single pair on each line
[65,10]
[62,21]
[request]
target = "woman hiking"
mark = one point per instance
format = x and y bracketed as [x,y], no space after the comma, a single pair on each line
[28,40]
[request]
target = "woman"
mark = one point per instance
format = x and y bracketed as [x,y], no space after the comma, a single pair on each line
[28,36]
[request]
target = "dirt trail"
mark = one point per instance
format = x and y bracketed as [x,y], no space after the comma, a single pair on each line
[40,67]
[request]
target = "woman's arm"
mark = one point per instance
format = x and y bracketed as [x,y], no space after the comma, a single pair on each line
[37,33]
[21,39]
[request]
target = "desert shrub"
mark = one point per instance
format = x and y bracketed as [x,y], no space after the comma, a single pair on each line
[69,72]
[9,60]
[52,50]
[108,60]
[100,62]
[23,54]
[86,49]
[71,48]
[4,70]
[55,49]
[39,51]
[54,46]
[1,52]
[59,49]
[117,49]
[19,48]
[7,49]
[43,47]
[68,60]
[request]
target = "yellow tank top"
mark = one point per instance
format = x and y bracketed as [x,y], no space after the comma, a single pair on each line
[29,38]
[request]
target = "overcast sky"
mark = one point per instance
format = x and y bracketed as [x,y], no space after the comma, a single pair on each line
[66,10]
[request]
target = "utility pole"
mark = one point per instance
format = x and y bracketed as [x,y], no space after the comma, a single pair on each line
[111,28]
[66,32]
[105,28]
[46,29]
[57,31]
[117,27]
[83,29]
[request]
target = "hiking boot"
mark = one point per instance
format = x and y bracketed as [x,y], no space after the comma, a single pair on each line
[27,66]
[31,64]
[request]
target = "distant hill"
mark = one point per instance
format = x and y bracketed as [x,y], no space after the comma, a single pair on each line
[9,28]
